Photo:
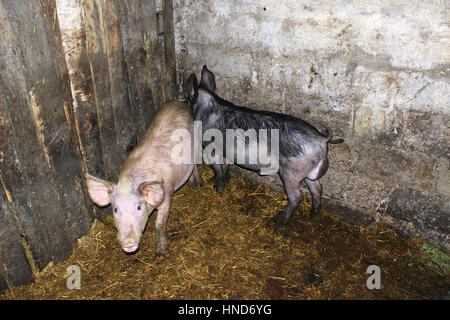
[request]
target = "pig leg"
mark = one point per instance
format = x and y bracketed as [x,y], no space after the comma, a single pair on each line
[315,188]
[196,179]
[160,224]
[291,183]
[222,176]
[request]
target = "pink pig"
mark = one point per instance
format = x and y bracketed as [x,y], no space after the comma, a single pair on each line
[148,178]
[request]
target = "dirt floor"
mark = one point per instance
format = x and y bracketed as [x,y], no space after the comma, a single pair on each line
[226,246]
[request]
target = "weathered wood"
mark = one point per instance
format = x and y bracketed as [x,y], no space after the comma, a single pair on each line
[42,171]
[14,266]
[62,142]
[85,111]
[124,114]
[14,199]
[125,83]
[98,61]
[154,61]
[130,35]
[84,104]
[36,189]
[129,74]
[122,74]
[169,51]
[142,72]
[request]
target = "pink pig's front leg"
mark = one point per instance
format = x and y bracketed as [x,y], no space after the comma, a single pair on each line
[160,224]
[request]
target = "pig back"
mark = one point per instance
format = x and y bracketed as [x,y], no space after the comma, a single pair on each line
[151,159]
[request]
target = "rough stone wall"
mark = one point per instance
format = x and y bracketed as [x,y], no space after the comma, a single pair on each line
[377,73]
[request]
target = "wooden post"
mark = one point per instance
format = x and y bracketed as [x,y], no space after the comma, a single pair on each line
[140,42]
[170,79]
[101,84]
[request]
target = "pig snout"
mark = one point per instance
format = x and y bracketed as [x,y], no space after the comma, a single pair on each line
[130,247]
[130,242]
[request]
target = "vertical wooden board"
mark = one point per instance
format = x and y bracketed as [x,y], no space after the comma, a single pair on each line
[85,110]
[124,114]
[88,131]
[25,168]
[15,180]
[47,84]
[62,143]
[169,50]
[36,104]
[56,114]
[14,267]
[16,188]
[98,63]
[135,53]
[154,61]
[90,144]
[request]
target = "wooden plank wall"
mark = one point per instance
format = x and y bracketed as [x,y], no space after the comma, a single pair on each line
[50,135]
[41,174]
[126,79]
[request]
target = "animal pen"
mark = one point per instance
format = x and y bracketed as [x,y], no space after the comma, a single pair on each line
[80,82]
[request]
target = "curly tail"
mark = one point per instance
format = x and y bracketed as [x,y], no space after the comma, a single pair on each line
[329,134]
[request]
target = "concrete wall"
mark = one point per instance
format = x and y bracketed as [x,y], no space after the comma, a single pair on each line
[376,72]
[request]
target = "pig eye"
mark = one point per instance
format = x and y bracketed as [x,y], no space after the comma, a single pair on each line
[116,210]
[138,207]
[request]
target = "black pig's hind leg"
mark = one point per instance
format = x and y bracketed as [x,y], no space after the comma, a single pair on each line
[222,175]
[291,182]
[315,188]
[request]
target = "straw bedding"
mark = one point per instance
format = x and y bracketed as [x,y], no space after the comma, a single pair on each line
[226,246]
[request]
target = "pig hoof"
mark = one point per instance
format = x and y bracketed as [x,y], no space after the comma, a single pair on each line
[160,256]
[282,217]
[314,213]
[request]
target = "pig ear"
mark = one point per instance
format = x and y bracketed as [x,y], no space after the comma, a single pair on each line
[191,88]
[153,192]
[100,191]
[208,80]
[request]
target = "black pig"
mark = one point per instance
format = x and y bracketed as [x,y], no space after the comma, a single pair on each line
[302,148]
